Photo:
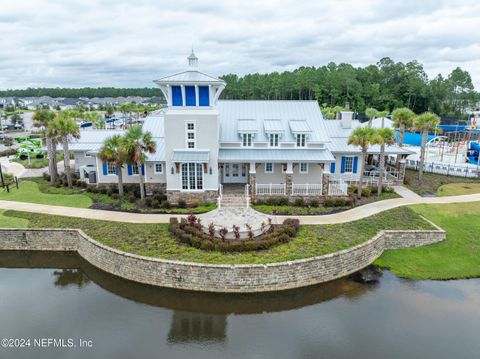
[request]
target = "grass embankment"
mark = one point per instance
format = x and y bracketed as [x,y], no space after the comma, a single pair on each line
[432,182]
[457,257]
[154,240]
[456,189]
[37,190]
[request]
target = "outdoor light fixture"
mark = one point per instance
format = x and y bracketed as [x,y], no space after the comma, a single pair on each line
[172,171]
[210,170]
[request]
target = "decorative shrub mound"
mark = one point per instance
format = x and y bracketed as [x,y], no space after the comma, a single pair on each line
[190,231]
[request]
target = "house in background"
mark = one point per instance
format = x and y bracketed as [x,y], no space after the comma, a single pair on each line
[206,146]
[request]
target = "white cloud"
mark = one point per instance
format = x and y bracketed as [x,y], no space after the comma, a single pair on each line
[130,43]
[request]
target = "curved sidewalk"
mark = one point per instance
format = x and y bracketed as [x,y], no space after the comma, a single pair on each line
[341,217]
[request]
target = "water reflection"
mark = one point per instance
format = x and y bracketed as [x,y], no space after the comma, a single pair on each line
[70,277]
[188,327]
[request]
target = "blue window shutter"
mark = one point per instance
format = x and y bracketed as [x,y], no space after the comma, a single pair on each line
[177,96]
[129,169]
[143,169]
[190,97]
[116,171]
[342,167]
[355,164]
[203,96]
[104,168]
[332,167]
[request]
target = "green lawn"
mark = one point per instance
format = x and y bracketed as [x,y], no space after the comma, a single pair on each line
[457,257]
[432,182]
[154,239]
[12,222]
[29,192]
[455,189]
[37,162]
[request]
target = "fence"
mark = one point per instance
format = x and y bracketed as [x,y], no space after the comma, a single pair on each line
[337,187]
[270,189]
[444,169]
[307,189]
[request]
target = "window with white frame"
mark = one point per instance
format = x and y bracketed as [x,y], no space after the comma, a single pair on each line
[247,139]
[158,168]
[134,170]
[111,168]
[303,167]
[349,164]
[190,134]
[301,139]
[273,139]
[268,167]
[192,176]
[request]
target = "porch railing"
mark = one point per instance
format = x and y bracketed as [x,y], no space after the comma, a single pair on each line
[306,189]
[270,189]
[337,187]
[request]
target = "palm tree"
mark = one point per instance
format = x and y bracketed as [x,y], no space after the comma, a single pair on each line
[425,122]
[44,118]
[137,145]
[113,151]
[363,137]
[371,114]
[385,136]
[402,120]
[65,128]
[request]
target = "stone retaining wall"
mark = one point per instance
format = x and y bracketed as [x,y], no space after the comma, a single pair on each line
[215,277]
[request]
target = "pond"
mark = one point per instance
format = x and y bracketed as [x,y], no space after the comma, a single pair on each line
[60,296]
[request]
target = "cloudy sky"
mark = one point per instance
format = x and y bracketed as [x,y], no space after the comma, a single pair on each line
[73,43]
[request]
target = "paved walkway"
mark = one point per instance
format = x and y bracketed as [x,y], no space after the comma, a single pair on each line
[21,172]
[405,192]
[342,217]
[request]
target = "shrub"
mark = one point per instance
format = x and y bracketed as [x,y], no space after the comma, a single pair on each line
[367,191]
[131,198]
[299,202]
[115,196]
[182,203]
[165,205]
[155,203]
[46,176]
[314,203]
[283,201]
[102,189]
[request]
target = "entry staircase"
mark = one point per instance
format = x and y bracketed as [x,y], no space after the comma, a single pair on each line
[234,196]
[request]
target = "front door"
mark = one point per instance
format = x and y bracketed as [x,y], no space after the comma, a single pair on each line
[235,173]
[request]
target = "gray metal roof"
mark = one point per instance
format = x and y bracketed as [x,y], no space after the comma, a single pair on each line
[340,145]
[274,155]
[272,126]
[299,126]
[230,111]
[191,156]
[247,126]
[189,77]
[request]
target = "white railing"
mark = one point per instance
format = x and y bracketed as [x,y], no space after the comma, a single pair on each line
[220,195]
[444,168]
[372,177]
[337,187]
[306,189]
[270,189]
[247,195]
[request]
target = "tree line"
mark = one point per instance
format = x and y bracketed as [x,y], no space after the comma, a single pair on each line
[83,92]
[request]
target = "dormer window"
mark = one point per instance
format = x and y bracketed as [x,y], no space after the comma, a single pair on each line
[273,139]
[301,139]
[247,139]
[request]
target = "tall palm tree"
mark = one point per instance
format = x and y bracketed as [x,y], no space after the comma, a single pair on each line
[113,151]
[385,136]
[425,122]
[43,119]
[371,114]
[363,137]
[137,145]
[64,127]
[402,121]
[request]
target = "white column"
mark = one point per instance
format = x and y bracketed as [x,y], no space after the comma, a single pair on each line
[252,170]
[169,97]
[197,95]
[289,168]
[210,95]
[183,95]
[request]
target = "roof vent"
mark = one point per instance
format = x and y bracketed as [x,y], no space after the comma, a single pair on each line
[346,118]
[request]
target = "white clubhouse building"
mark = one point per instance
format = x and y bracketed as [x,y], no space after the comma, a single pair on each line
[277,148]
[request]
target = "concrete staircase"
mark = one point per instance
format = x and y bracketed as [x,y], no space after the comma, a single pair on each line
[233,200]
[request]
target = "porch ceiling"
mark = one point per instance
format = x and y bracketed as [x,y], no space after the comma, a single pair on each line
[274,155]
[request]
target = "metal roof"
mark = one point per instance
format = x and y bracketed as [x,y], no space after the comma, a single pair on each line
[340,145]
[274,155]
[230,111]
[272,126]
[247,126]
[191,156]
[299,126]
[189,77]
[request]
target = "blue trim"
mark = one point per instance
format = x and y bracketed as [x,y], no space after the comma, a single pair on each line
[177,99]
[190,97]
[129,170]
[203,96]
[116,171]
[355,164]
[332,167]
[104,169]
[342,167]
[143,169]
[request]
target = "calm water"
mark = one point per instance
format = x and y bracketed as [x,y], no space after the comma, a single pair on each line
[61,296]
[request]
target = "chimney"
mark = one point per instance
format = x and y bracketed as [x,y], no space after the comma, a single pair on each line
[346,118]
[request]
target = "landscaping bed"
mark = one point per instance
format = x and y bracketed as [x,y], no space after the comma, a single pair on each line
[431,182]
[154,240]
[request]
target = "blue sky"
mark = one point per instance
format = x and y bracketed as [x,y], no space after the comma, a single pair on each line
[76,43]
